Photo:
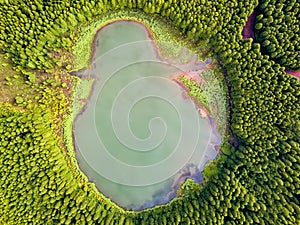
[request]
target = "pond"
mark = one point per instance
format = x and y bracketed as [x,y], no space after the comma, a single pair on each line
[139,135]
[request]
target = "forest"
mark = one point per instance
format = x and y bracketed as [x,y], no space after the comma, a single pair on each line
[258,173]
[277,28]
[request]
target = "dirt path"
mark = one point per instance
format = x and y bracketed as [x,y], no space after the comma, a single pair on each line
[248,30]
[294,73]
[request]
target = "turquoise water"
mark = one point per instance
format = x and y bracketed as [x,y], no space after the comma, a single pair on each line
[139,135]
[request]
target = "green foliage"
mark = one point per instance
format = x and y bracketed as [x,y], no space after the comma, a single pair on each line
[31,77]
[264,114]
[210,169]
[210,94]
[38,186]
[278,30]
[195,90]
[19,100]
[255,181]
[187,187]
[37,33]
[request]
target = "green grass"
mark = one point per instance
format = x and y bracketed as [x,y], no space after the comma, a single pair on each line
[212,95]
[160,28]
[80,91]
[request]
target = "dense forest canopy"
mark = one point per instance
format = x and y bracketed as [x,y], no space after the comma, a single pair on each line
[278,30]
[258,174]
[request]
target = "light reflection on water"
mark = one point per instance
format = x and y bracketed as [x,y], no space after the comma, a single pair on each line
[138,137]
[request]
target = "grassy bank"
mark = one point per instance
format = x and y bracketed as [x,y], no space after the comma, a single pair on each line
[161,29]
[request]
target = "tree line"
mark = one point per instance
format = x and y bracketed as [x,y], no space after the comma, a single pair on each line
[39,187]
[278,30]
[35,33]
[258,174]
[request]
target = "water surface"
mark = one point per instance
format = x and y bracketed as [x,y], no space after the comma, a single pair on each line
[139,135]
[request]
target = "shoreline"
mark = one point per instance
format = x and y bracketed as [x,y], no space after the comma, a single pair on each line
[161,31]
[149,33]
[154,41]
[203,112]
